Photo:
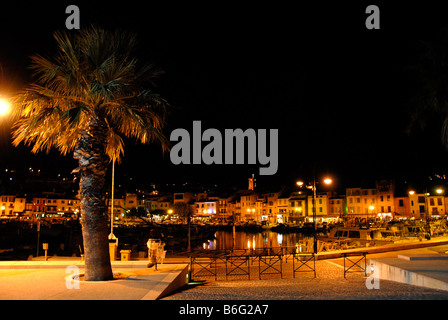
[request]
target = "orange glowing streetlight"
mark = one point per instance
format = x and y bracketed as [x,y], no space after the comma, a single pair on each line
[5,107]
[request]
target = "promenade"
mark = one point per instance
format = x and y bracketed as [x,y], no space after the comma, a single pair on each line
[50,280]
[329,284]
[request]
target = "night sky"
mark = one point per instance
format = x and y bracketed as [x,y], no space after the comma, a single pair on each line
[339,94]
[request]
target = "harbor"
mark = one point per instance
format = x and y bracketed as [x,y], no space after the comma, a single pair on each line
[41,280]
[255,264]
[22,239]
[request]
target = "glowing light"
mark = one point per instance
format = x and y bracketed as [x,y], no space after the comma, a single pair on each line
[5,107]
[280,238]
[328,181]
[439,191]
[412,192]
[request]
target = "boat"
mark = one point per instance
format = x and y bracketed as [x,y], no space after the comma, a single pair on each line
[361,234]
[265,225]
[372,235]
[249,226]
[281,228]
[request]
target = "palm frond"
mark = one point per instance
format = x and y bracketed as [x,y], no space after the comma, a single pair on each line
[93,72]
[115,147]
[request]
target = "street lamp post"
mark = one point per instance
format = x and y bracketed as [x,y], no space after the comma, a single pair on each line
[314,217]
[113,240]
[233,230]
[111,235]
[300,184]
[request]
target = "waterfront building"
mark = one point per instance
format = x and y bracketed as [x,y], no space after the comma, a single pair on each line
[417,204]
[185,197]
[225,209]
[282,207]
[238,216]
[130,201]
[159,203]
[362,202]
[58,206]
[336,207]
[206,208]
[298,208]
[119,207]
[7,206]
[385,198]
[402,207]
[321,208]
[436,206]
[371,202]
[248,204]
[266,208]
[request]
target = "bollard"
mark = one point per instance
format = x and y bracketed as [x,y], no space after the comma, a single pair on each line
[125,255]
[112,250]
[45,247]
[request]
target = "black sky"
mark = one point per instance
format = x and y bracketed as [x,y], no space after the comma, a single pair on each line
[338,93]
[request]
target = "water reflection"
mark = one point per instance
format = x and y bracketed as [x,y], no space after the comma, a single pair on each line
[245,240]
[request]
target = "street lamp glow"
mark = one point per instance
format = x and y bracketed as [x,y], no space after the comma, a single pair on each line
[328,181]
[299,183]
[5,107]
[439,191]
[412,192]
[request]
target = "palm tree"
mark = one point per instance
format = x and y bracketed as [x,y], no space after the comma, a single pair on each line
[86,98]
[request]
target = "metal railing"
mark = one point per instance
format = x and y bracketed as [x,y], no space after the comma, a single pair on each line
[247,264]
[358,264]
[250,263]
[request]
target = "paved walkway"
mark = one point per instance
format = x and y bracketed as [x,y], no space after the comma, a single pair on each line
[328,285]
[40,280]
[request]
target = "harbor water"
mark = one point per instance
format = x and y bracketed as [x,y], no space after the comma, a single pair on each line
[249,240]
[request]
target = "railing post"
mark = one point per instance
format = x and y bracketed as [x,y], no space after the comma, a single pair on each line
[191,272]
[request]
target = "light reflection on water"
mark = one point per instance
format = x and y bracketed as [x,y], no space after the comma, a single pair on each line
[246,240]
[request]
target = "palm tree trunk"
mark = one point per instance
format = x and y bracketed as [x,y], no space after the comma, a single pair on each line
[90,152]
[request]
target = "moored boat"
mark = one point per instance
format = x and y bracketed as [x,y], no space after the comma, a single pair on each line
[358,233]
